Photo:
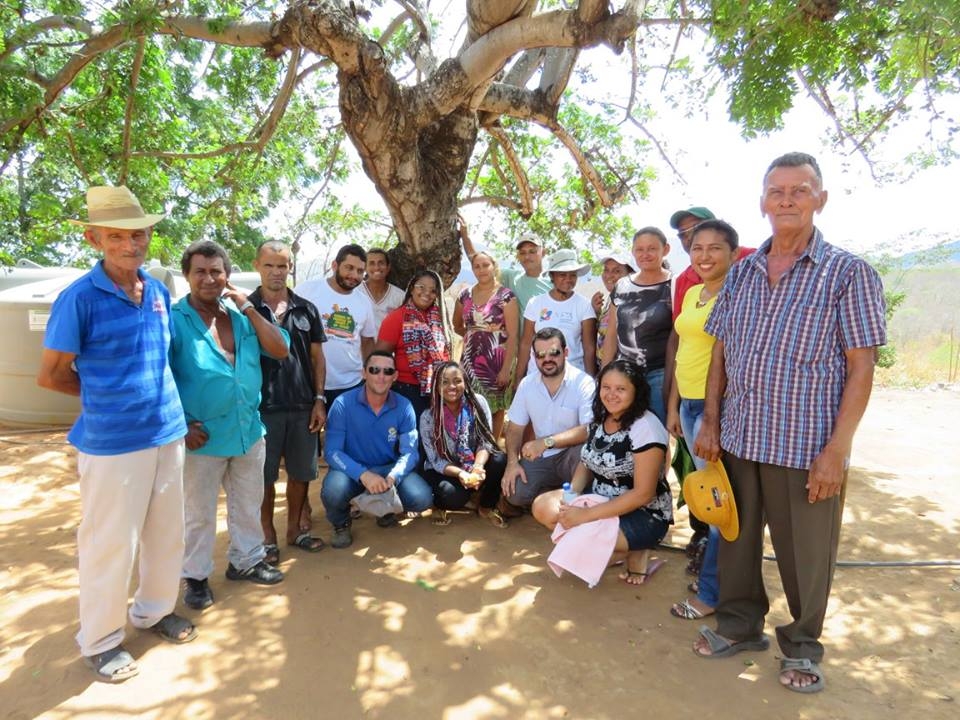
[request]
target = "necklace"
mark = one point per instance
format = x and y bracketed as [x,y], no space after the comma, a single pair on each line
[704,298]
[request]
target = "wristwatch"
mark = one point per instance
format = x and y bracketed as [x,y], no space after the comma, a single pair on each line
[549,441]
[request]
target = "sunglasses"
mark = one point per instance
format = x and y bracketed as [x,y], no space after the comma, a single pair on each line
[376,370]
[553,352]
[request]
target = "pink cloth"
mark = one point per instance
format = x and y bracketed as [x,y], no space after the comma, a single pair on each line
[586,549]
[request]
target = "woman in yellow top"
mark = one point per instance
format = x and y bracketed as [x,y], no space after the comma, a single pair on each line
[713,250]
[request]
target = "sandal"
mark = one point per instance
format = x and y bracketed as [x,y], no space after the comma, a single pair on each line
[508,509]
[441,518]
[685,610]
[495,517]
[172,628]
[628,575]
[805,666]
[113,665]
[273,553]
[720,647]
[306,542]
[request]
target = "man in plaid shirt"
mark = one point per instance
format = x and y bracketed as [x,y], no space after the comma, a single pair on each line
[797,326]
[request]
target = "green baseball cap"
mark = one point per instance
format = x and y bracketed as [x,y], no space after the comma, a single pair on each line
[699,212]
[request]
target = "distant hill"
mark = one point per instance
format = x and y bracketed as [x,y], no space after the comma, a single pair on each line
[932,304]
[947,254]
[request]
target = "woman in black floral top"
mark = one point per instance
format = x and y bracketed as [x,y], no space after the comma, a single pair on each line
[623,460]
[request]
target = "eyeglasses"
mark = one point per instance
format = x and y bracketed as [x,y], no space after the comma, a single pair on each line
[552,352]
[376,370]
[425,289]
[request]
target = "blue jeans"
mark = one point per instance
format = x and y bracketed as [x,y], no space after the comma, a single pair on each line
[339,489]
[657,406]
[691,416]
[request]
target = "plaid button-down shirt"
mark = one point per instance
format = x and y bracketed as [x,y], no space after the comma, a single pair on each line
[784,349]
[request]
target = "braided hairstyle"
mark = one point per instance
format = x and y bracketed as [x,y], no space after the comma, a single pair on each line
[436,411]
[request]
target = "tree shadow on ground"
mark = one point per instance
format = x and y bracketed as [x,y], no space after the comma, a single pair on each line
[466,621]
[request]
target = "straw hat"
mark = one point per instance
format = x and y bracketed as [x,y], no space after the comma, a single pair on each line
[115,207]
[710,498]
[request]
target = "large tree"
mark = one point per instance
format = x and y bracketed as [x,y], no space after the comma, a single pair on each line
[222,110]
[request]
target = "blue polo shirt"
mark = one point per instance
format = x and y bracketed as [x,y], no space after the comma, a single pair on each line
[359,439]
[224,397]
[128,398]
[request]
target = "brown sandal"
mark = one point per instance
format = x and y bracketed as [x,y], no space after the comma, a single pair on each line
[495,517]
[508,509]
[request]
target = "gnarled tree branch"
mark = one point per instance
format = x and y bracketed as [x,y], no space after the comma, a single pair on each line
[516,169]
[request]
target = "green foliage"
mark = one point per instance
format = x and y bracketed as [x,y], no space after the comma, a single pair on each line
[876,61]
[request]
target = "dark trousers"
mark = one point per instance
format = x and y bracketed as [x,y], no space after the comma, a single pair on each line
[805,537]
[449,494]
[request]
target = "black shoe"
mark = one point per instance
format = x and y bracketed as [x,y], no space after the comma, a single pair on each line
[388,520]
[198,594]
[342,537]
[261,574]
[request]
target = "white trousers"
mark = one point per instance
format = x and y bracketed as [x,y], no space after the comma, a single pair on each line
[242,480]
[126,500]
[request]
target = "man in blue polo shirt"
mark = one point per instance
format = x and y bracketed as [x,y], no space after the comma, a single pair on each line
[107,341]
[371,446]
[215,359]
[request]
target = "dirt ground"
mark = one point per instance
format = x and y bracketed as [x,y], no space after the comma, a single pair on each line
[467,622]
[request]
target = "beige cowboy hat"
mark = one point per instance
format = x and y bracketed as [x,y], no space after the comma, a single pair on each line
[710,498]
[116,207]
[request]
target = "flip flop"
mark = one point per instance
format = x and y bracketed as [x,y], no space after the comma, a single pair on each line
[494,516]
[441,518]
[306,542]
[804,665]
[113,665]
[171,627]
[652,567]
[721,647]
[686,611]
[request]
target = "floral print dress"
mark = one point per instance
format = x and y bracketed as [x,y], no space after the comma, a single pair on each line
[483,344]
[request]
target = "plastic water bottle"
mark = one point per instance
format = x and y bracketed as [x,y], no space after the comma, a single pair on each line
[568,494]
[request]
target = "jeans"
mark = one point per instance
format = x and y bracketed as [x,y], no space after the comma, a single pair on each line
[657,406]
[339,489]
[691,416]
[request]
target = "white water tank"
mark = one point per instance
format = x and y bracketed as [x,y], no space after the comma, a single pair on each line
[24,311]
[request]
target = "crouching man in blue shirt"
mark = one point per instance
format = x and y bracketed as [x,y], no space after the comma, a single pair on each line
[371,446]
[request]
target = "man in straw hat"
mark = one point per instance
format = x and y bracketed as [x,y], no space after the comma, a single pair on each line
[107,341]
[797,325]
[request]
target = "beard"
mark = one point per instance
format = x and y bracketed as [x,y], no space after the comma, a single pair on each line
[557,369]
[344,282]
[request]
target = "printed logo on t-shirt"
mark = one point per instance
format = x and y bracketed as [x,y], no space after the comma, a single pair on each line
[391,434]
[158,306]
[340,323]
[546,313]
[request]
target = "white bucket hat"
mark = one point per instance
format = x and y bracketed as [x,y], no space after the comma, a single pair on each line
[116,207]
[566,261]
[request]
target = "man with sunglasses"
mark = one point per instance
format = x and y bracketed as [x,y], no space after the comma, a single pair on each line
[371,447]
[557,401]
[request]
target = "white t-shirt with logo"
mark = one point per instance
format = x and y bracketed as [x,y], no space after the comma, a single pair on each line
[346,318]
[565,315]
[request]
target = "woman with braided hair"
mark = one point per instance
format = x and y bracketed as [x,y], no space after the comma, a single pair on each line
[462,457]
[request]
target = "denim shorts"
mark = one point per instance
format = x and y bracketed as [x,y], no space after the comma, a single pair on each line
[289,437]
[642,530]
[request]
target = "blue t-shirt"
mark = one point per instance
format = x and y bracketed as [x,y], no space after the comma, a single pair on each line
[128,398]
